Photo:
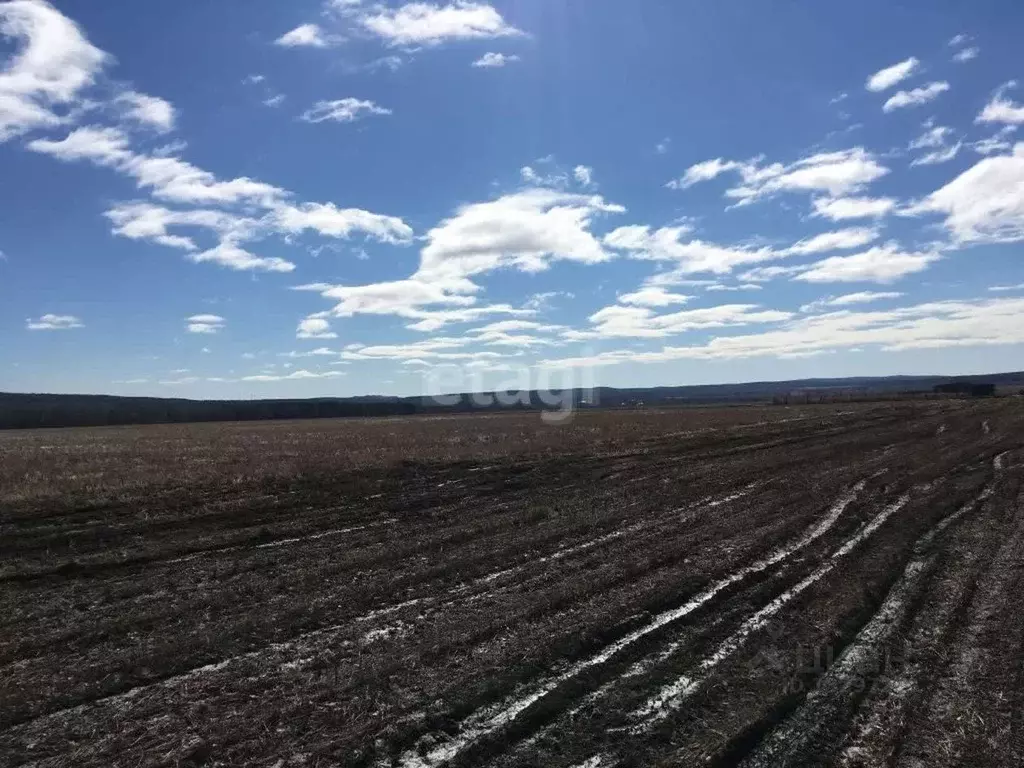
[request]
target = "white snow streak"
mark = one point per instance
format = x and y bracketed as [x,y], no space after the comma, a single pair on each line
[494,718]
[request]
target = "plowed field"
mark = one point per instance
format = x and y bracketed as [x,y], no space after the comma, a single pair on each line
[756,586]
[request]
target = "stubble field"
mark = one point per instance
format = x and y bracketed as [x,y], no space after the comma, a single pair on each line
[765,586]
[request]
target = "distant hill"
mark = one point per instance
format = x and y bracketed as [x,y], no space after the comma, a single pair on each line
[23,411]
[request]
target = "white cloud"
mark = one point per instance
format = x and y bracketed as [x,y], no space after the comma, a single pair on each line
[935,325]
[653,297]
[204,324]
[835,173]
[274,101]
[422,23]
[886,78]
[170,178]
[997,143]
[725,287]
[293,376]
[318,352]
[146,221]
[554,179]
[1001,109]
[663,146]
[967,54]
[525,230]
[543,299]
[315,328]
[254,79]
[54,323]
[882,264]
[439,348]
[346,110]
[619,321]
[935,136]
[938,156]
[330,221]
[433,320]
[306,35]
[845,208]
[494,60]
[849,299]
[765,274]
[915,97]
[231,255]
[428,303]
[984,204]
[584,175]
[690,257]
[705,171]
[958,40]
[1007,288]
[53,65]
[843,239]
[150,111]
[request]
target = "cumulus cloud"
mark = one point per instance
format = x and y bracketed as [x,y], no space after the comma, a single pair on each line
[205,324]
[1001,109]
[849,299]
[230,254]
[653,297]
[933,325]
[882,264]
[834,173]
[635,322]
[305,35]
[984,204]
[53,64]
[843,239]
[938,156]
[915,97]
[584,175]
[967,54]
[150,111]
[54,323]
[315,328]
[935,138]
[525,230]
[494,60]
[706,171]
[996,143]
[293,376]
[846,208]
[169,178]
[428,24]
[175,180]
[346,110]
[884,79]
[689,256]
[328,220]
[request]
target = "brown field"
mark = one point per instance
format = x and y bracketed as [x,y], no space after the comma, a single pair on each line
[765,586]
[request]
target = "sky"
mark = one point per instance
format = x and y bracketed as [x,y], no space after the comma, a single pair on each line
[253,198]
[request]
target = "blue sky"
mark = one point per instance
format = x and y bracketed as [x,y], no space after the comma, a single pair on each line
[269,199]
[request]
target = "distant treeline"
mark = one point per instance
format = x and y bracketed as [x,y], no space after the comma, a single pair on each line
[27,411]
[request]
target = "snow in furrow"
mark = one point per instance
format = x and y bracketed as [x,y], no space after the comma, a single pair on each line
[495,718]
[671,696]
